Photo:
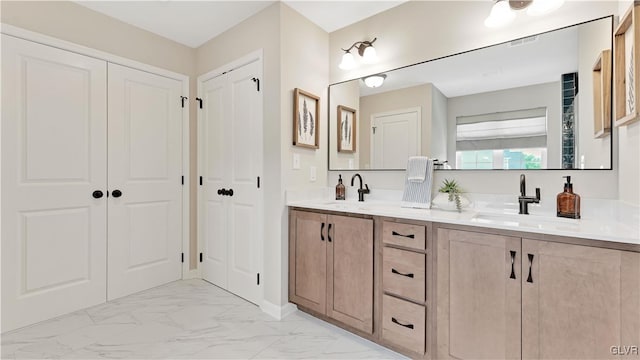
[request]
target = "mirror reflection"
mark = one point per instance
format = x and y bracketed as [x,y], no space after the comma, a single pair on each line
[531,103]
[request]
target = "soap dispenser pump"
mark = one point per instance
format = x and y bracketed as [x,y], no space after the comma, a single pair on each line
[340,189]
[568,202]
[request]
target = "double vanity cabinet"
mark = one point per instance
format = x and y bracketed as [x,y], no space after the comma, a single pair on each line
[439,290]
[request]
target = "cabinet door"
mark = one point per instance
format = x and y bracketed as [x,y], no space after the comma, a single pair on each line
[578,301]
[478,295]
[350,271]
[308,260]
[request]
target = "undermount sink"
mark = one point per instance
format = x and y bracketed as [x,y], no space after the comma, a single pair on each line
[529,221]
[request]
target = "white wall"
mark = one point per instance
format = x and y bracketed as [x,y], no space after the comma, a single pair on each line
[419,30]
[526,97]
[439,117]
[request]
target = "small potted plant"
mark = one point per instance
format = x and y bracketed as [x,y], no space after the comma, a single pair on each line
[450,196]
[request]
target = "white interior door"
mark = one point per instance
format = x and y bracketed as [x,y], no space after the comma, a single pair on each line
[53,159]
[231,226]
[395,137]
[145,166]
[245,230]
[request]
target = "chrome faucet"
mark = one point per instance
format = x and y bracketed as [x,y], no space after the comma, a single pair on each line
[525,200]
[361,191]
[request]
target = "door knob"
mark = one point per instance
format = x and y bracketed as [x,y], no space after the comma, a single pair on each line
[97,194]
[116,193]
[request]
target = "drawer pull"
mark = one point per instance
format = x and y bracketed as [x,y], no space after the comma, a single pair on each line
[410,275]
[411,236]
[395,321]
[513,263]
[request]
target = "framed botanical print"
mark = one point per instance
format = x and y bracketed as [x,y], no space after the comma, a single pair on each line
[306,114]
[346,129]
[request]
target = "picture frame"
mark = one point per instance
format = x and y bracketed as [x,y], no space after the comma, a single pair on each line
[346,129]
[306,119]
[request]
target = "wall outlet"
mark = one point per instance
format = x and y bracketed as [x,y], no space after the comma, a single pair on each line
[312,173]
[296,161]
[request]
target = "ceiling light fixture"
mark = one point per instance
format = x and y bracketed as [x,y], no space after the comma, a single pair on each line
[365,49]
[502,13]
[374,81]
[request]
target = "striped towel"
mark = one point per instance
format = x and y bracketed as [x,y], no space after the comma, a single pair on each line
[417,168]
[417,193]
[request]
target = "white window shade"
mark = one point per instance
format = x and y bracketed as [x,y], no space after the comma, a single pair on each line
[504,130]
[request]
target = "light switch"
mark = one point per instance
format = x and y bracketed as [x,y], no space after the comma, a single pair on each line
[296,161]
[312,173]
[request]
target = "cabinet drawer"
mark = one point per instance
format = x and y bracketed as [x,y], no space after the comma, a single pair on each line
[406,235]
[403,324]
[403,273]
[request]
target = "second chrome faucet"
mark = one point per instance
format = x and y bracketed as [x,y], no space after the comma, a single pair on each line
[361,191]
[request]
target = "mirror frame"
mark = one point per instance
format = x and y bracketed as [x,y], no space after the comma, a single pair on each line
[611,19]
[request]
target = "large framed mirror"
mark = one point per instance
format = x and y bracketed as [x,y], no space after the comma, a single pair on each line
[540,102]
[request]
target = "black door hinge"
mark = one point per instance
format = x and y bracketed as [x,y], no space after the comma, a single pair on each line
[200,102]
[200,180]
[257,81]
[258,181]
[182,180]
[258,280]
[200,257]
[182,258]
[182,99]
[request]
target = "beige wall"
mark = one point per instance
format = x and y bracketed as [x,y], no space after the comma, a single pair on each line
[420,30]
[347,94]
[415,96]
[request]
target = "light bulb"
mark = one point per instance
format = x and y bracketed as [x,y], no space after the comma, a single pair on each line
[347,62]
[501,15]
[369,56]
[541,7]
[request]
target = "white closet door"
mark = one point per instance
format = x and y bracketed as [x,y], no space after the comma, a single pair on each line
[145,165]
[53,159]
[396,137]
[231,227]
[214,164]
[245,228]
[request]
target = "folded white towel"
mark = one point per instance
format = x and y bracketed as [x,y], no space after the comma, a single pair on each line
[417,168]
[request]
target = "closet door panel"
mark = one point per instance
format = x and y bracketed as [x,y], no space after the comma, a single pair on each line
[53,159]
[145,166]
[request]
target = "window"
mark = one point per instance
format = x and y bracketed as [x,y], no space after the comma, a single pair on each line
[503,140]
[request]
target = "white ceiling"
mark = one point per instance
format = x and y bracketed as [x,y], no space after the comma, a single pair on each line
[192,23]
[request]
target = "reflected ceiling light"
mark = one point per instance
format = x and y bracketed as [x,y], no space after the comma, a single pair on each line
[365,49]
[374,81]
[541,7]
[502,13]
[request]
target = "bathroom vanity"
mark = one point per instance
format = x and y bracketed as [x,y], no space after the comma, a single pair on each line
[436,284]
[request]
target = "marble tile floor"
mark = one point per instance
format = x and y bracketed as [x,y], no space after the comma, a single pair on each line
[187,319]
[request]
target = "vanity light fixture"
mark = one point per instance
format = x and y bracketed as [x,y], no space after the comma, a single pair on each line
[374,81]
[502,13]
[365,49]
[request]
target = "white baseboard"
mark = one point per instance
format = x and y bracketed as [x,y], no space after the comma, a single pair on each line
[278,312]
[191,274]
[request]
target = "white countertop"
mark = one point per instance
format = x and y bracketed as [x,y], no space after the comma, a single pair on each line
[606,220]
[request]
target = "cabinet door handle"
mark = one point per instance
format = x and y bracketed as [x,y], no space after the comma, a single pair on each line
[530,278]
[329,232]
[410,236]
[322,232]
[394,271]
[513,265]
[395,321]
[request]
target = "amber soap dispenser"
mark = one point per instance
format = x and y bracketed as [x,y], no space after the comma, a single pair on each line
[568,201]
[340,189]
